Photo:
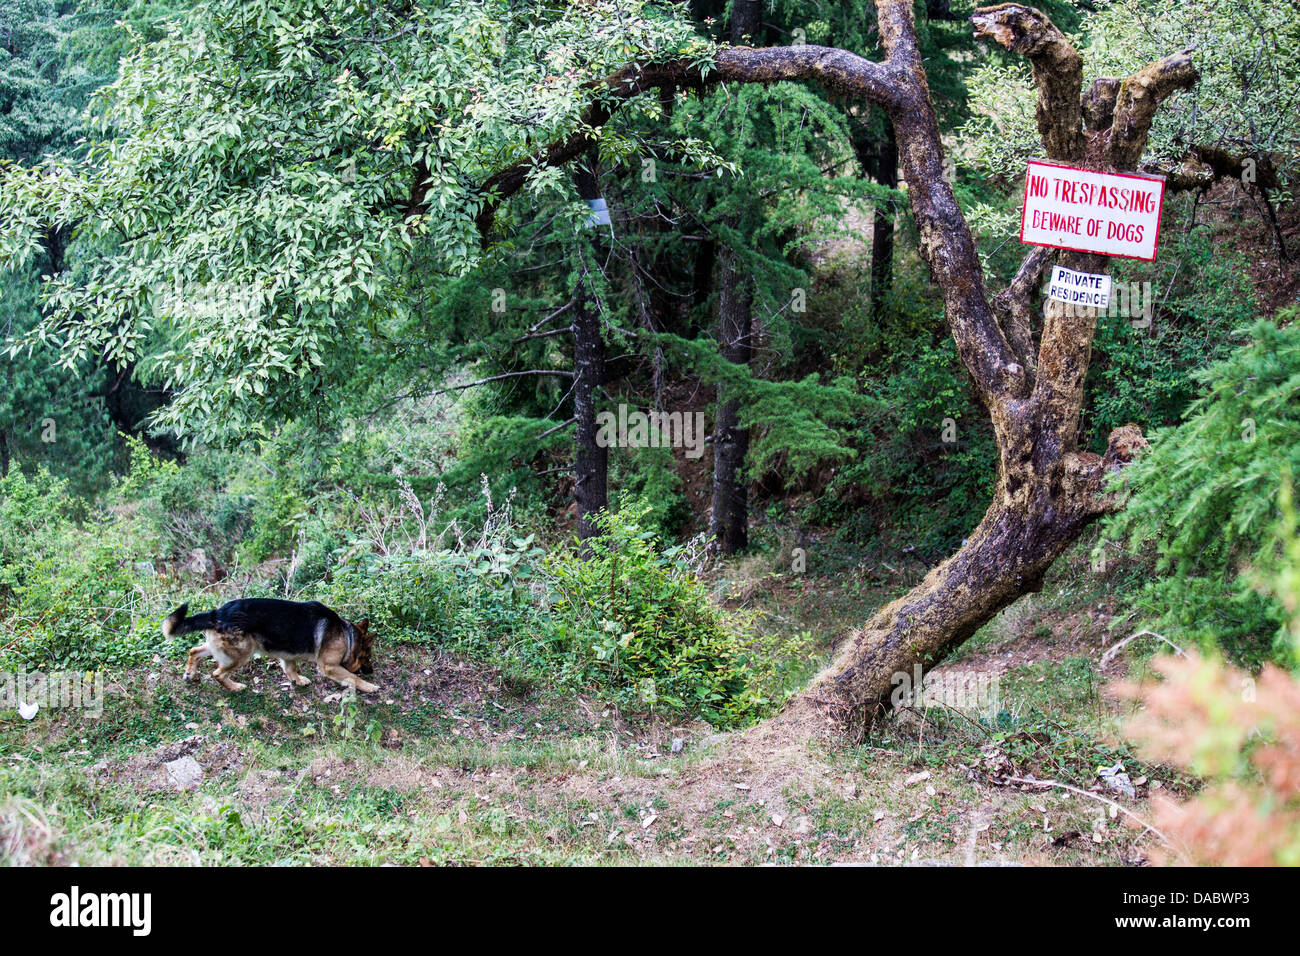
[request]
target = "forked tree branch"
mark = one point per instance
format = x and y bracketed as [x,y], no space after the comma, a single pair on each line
[1099,103]
[1058,72]
[1016,302]
[1137,100]
[1118,116]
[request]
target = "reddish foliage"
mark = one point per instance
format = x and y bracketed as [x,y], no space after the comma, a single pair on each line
[1240,733]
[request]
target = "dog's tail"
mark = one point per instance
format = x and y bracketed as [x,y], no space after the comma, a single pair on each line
[177,622]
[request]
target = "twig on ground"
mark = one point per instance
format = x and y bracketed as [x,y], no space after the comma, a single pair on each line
[1146,827]
[1110,654]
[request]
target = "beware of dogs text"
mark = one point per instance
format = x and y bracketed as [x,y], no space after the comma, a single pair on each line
[1116,214]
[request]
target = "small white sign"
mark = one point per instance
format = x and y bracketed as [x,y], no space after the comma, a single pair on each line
[1115,214]
[599,213]
[1079,288]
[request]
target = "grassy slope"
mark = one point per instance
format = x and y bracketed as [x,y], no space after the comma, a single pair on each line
[454,762]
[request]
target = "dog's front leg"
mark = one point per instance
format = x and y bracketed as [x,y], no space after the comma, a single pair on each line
[291,671]
[344,676]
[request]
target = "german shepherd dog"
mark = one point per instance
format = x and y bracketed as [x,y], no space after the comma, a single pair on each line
[290,631]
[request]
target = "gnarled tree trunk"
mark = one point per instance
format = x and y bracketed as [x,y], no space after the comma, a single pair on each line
[1047,490]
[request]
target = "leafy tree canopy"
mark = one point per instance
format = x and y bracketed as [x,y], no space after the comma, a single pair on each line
[249,198]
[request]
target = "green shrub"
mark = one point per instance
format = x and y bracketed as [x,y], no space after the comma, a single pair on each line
[1206,497]
[470,599]
[278,509]
[649,476]
[186,507]
[90,603]
[637,620]
[71,594]
[32,507]
[79,594]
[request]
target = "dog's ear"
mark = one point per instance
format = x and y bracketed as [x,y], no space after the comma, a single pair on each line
[363,625]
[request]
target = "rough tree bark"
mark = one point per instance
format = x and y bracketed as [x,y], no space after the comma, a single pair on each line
[1047,489]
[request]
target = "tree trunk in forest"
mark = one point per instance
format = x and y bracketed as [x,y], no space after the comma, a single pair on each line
[729,523]
[878,160]
[591,459]
[1047,489]
[746,21]
[882,225]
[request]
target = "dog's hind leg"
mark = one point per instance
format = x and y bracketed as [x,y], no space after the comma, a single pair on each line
[344,676]
[222,677]
[231,653]
[291,672]
[192,661]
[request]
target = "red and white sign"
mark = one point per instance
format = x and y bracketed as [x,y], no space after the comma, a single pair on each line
[1116,214]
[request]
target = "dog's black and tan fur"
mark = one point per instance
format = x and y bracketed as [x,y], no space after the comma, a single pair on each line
[287,630]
